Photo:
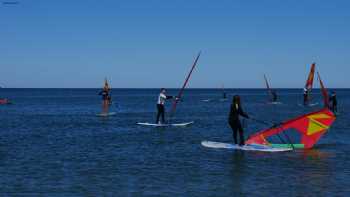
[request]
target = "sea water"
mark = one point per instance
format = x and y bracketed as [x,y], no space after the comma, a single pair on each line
[52,144]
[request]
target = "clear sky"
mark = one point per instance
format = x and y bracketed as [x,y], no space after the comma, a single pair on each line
[152,43]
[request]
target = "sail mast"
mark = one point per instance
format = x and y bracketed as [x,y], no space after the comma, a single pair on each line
[184,85]
[268,87]
[324,92]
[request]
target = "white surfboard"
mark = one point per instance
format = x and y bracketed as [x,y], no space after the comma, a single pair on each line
[248,147]
[275,103]
[106,114]
[206,100]
[313,104]
[308,105]
[165,125]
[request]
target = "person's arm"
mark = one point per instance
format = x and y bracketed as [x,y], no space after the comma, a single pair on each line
[163,96]
[242,113]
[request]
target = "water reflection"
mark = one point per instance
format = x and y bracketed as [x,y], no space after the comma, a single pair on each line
[238,171]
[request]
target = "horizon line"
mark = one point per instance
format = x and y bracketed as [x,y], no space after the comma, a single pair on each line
[153,88]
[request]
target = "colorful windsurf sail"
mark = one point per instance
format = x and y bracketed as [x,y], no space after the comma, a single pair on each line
[309,127]
[184,86]
[309,83]
[310,78]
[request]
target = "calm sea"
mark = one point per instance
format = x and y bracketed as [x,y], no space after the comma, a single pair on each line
[52,144]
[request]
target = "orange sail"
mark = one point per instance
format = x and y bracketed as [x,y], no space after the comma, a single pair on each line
[324,92]
[310,79]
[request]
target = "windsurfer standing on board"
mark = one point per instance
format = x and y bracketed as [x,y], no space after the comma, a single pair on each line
[106,98]
[274,96]
[306,96]
[160,105]
[224,95]
[334,102]
[234,121]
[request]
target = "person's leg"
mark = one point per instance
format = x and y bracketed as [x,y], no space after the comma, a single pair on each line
[234,133]
[163,114]
[105,106]
[241,136]
[158,113]
[335,108]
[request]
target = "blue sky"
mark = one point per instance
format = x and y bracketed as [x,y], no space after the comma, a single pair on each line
[152,43]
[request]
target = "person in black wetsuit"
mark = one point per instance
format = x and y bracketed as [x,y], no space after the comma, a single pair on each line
[224,95]
[334,102]
[234,121]
[274,96]
[306,96]
[160,105]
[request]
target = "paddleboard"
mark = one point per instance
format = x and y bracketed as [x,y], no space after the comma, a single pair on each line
[223,100]
[308,105]
[106,114]
[248,147]
[313,104]
[275,103]
[165,125]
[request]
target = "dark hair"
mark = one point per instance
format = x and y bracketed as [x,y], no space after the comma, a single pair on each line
[236,100]
[161,89]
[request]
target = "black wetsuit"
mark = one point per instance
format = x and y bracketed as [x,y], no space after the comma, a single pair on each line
[334,103]
[235,123]
[274,97]
[306,98]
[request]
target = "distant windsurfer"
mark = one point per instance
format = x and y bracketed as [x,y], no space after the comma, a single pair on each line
[274,96]
[106,97]
[334,102]
[234,121]
[306,96]
[4,101]
[224,95]
[160,105]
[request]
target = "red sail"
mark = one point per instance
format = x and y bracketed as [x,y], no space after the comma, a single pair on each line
[324,92]
[310,79]
[310,127]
